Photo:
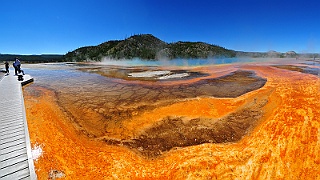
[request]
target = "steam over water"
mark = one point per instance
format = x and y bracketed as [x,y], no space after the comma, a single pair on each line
[65,75]
[179,62]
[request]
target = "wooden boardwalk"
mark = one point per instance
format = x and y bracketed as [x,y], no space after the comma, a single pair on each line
[15,149]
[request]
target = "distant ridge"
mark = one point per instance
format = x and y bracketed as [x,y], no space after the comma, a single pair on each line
[148,47]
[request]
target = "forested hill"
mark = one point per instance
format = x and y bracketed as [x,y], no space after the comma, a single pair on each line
[147,47]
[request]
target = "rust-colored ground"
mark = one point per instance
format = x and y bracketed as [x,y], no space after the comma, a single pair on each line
[276,130]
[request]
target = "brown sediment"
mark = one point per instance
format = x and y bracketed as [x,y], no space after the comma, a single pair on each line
[172,132]
[283,143]
[289,67]
[126,101]
[302,69]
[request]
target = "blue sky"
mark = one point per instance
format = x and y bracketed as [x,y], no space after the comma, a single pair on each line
[59,26]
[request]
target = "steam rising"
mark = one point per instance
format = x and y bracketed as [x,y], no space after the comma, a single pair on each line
[177,62]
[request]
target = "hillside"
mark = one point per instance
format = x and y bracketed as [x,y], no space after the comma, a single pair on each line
[196,50]
[147,47]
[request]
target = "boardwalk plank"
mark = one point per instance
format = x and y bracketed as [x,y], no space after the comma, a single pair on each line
[13,149]
[12,139]
[11,144]
[13,171]
[10,129]
[15,153]
[10,135]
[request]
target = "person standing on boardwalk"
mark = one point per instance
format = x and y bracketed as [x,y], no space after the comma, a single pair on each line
[6,64]
[17,66]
